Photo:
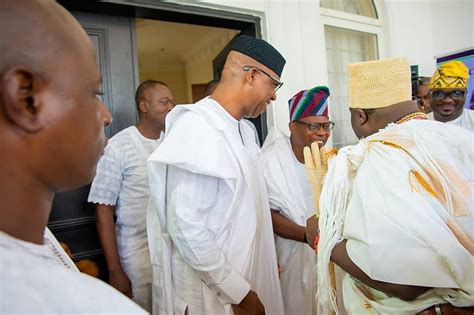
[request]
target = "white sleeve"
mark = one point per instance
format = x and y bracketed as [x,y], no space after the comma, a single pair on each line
[107,183]
[190,199]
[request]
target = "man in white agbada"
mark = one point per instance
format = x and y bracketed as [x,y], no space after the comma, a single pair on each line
[447,94]
[51,137]
[209,224]
[290,196]
[120,188]
[397,208]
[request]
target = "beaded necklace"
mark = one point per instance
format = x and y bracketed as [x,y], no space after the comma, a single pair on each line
[414,115]
[56,254]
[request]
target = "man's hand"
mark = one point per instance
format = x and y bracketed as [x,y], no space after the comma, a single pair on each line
[312,227]
[250,305]
[316,163]
[119,280]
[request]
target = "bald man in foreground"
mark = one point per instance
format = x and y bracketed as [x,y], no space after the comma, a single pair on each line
[209,228]
[51,138]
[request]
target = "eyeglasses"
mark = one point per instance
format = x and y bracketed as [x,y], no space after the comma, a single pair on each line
[277,82]
[441,95]
[327,126]
[167,101]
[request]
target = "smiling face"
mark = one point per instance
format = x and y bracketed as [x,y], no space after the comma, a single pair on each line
[263,90]
[447,104]
[302,136]
[156,103]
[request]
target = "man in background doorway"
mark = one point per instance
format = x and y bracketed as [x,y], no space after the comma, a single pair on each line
[120,189]
[448,89]
[213,245]
[291,198]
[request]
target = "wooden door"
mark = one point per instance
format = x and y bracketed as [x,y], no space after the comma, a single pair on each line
[72,219]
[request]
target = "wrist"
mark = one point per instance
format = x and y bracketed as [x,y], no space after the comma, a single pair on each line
[115,269]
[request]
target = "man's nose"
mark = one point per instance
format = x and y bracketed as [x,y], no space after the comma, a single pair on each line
[106,115]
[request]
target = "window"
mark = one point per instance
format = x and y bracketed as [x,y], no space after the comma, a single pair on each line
[351,36]
[358,7]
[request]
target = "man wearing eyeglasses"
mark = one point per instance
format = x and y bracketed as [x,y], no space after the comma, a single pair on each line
[210,230]
[290,197]
[120,188]
[448,89]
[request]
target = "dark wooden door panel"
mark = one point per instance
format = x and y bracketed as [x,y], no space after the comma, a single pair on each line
[72,219]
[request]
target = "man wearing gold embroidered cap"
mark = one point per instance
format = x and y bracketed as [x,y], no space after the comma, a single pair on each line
[447,95]
[396,210]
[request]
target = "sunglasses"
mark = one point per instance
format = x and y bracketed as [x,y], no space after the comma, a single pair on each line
[277,82]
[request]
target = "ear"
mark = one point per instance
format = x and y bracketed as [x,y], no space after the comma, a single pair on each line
[22,106]
[361,116]
[292,126]
[250,76]
[143,104]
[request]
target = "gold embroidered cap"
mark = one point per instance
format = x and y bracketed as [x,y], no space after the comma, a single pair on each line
[450,75]
[379,83]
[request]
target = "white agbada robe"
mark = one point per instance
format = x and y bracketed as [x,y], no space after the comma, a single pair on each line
[290,193]
[122,181]
[209,228]
[33,280]
[403,198]
[466,120]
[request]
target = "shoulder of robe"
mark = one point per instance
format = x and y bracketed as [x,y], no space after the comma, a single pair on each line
[194,144]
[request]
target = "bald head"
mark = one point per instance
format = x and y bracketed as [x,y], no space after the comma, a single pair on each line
[50,114]
[36,33]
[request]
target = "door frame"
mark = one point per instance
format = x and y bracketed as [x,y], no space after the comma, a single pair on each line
[172,12]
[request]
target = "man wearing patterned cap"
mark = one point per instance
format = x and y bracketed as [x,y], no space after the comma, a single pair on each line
[448,89]
[290,197]
[396,210]
[209,224]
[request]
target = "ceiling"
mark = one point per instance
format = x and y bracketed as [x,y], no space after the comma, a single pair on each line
[171,43]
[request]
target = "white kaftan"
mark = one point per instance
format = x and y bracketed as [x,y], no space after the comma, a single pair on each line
[289,192]
[466,120]
[209,228]
[33,281]
[403,198]
[122,181]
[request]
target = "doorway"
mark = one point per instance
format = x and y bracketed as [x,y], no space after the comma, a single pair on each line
[180,54]
[135,41]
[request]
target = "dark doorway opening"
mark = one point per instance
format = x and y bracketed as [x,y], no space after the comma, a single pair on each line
[72,219]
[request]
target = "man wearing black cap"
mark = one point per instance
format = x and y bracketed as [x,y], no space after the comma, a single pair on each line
[209,224]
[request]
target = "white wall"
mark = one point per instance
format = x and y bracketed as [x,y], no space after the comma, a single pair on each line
[173,74]
[424,29]
[416,29]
